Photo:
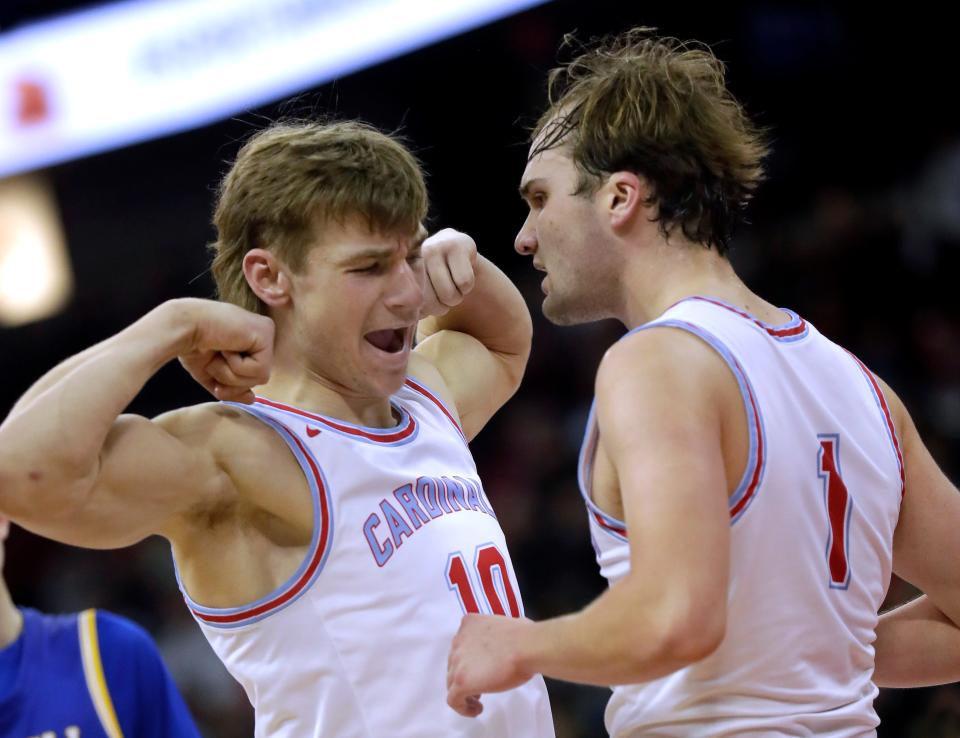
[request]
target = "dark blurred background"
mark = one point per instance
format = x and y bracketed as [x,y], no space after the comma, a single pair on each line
[858,229]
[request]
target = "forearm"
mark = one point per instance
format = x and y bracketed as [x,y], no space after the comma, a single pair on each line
[50,444]
[56,374]
[620,638]
[494,313]
[917,646]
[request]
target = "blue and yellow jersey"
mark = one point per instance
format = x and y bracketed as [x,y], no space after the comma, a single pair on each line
[87,675]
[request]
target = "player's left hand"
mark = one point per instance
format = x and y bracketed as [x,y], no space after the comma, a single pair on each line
[484,657]
[450,261]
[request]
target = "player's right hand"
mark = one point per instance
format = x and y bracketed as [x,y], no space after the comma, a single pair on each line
[450,261]
[226,349]
[484,658]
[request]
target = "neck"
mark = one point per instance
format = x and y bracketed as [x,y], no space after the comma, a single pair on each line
[667,272]
[11,621]
[294,380]
[293,383]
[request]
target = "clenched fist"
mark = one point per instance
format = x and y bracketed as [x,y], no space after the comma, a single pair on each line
[226,349]
[450,261]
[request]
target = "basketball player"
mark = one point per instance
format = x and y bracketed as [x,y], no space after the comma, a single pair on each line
[750,486]
[329,530]
[87,675]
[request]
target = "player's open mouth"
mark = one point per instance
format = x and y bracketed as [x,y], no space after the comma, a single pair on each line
[390,340]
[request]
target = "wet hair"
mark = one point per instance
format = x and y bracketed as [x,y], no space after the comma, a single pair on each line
[660,108]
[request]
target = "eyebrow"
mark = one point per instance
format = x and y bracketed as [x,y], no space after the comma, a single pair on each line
[529,185]
[367,254]
[386,253]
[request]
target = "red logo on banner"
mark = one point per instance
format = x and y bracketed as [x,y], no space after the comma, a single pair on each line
[33,103]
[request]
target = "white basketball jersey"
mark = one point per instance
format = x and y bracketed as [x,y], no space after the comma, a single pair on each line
[355,643]
[812,525]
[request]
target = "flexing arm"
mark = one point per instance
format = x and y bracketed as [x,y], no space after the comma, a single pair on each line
[918,644]
[55,375]
[74,469]
[660,425]
[479,337]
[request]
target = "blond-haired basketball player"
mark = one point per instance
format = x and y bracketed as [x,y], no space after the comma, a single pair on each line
[326,518]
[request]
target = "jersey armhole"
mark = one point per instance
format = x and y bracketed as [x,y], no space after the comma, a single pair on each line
[748,487]
[308,571]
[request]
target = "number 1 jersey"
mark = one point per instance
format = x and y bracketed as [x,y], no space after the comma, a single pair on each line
[811,542]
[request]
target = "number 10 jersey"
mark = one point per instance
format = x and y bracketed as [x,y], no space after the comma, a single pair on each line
[405,541]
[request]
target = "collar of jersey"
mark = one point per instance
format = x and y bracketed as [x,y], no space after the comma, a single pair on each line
[405,428]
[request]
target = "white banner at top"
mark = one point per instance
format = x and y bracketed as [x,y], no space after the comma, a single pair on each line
[138,69]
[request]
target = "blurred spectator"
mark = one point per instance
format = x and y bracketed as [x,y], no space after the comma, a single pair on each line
[86,674]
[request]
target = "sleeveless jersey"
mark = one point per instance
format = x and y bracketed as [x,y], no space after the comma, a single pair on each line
[405,541]
[812,525]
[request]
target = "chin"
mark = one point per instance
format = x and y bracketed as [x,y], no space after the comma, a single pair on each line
[385,384]
[560,313]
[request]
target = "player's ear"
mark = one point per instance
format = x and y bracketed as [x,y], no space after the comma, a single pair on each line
[267,277]
[623,196]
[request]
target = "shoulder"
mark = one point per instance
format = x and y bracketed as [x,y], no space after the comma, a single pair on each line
[47,626]
[899,415]
[245,454]
[119,635]
[661,384]
[198,422]
[226,431]
[660,356]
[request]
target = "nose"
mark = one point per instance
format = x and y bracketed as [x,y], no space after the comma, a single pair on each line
[526,240]
[405,291]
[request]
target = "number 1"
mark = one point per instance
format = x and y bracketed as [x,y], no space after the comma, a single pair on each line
[839,508]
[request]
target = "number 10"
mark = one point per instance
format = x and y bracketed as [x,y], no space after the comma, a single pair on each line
[491,568]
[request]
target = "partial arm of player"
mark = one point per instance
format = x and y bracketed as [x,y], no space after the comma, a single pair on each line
[478,332]
[74,469]
[918,644]
[660,424]
[55,375]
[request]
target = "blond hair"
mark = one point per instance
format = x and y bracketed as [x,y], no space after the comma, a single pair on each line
[294,177]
